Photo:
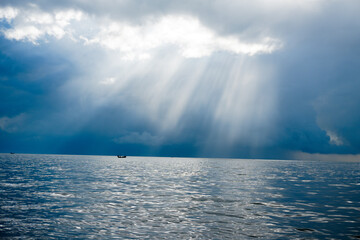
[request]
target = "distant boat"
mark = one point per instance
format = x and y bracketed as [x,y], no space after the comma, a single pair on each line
[121,156]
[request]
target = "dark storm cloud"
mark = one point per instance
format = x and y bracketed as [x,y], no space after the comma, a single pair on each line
[319,80]
[28,75]
[305,94]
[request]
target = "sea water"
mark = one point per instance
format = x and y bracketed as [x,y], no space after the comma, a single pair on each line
[104,197]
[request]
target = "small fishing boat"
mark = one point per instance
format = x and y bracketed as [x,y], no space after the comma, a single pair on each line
[119,156]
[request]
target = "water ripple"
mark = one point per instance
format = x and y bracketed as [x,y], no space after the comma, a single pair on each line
[54,196]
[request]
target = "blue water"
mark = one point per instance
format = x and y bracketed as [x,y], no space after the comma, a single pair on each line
[103,197]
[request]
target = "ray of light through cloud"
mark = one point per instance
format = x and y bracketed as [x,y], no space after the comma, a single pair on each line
[168,95]
[217,82]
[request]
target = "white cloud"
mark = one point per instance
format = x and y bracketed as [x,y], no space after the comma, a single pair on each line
[8,13]
[63,18]
[33,24]
[335,139]
[29,33]
[108,81]
[187,34]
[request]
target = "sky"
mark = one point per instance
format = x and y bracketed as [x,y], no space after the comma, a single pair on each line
[190,78]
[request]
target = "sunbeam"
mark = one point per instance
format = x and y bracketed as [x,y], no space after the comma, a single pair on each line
[255,79]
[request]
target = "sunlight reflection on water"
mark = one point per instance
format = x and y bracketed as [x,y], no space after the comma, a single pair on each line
[57,196]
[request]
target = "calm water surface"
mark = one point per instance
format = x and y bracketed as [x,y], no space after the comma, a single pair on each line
[103,197]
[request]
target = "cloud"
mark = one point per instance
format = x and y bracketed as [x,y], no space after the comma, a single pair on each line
[8,13]
[185,32]
[334,138]
[32,24]
[12,124]
[337,112]
[108,81]
[225,78]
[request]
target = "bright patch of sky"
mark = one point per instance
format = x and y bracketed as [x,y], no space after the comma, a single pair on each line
[226,78]
[186,33]
[34,25]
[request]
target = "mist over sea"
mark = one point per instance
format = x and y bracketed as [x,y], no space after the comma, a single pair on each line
[103,197]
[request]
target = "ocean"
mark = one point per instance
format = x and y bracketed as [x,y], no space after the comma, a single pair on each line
[105,197]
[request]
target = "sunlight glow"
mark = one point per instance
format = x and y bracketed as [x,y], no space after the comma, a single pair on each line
[177,85]
[247,105]
[185,33]
[33,24]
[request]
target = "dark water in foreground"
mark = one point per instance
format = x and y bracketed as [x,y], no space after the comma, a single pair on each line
[102,197]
